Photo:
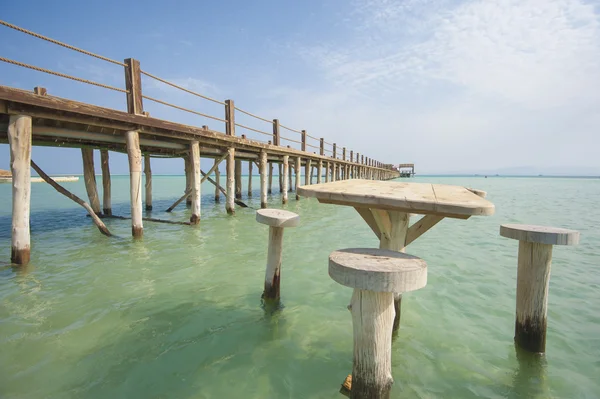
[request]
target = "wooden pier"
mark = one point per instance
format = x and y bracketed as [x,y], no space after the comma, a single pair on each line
[406,169]
[37,118]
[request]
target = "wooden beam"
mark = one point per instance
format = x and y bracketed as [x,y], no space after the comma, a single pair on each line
[135,182]
[417,229]
[106,191]
[148,187]
[89,177]
[196,182]
[133,84]
[366,214]
[101,226]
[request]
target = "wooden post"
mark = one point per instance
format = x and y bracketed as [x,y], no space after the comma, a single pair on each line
[19,140]
[374,274]
[270,167]
[276,135]
[230,118]
[133,84]
[319,171]
[280,176]
[135,180]
[263,179]
[277,220]
[290,183]
[284,198]
[238,179]
[148,174]
[334,150]
[307,172]
[303,140]
[333,171]
[297,170]
[196,182]
[322,146]
[344,167]
[217,179]
[89,177]
[533,278]
[249,179]
[188,179]
[326,172]
[106,194]
[230,204]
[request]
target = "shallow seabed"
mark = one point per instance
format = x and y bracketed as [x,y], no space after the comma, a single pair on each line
[178,314]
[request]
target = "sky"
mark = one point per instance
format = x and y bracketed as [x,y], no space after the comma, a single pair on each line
[452,86]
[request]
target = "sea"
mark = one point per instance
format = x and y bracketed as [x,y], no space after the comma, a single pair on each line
[178,314]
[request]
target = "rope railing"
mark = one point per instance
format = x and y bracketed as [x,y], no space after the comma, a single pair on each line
[181,88]
[290,129]
[252,115]
[15,27]
[254,130]
[183,109]
[62,75]
[90,82]
[293,141]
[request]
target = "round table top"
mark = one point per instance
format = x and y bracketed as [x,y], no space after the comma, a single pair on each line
[379,270]
[540,234]
[277,218]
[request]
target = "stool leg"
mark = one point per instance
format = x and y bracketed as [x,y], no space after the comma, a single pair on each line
[272,275]
[372,319]
[533,277]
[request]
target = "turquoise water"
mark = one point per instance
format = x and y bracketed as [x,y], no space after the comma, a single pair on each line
[178,314]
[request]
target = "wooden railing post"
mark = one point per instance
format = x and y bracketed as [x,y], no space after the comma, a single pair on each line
[276,136]
[304,140]
[133,85]
[334,151]
[322,146]
[230,118]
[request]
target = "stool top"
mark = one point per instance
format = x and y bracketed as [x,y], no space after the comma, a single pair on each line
[379,270]
[475,191]
[540,234]
[277,218]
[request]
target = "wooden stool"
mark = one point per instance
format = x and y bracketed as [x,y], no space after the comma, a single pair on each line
[375,274]
[533,277]
[277,219]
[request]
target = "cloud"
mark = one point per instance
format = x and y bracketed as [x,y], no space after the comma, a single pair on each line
[472,84]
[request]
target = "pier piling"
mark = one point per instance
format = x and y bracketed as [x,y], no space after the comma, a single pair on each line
[89,177]
[533,278]
[196,182]
[263,179]
[135,181]
[229,204]
[148,174]
[284,198]
[106,190]
[19,140]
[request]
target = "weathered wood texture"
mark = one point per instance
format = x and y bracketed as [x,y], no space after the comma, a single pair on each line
[196,182]
[249,179]
[133,84]
[229,204]
[285,168]
[280,176]
[217,181]
[297,182]
[238,179]
[89,177]
[540,234]
[270,167]
[263,179]
[135,181]
[374,275]
[106,183]
[277,220]
[19,139]
[148,175]
[188,178]
[101,226]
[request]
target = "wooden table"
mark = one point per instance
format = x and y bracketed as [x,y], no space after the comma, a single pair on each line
[387,206]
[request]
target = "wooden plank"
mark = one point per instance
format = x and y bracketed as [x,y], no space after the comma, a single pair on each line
[133,84]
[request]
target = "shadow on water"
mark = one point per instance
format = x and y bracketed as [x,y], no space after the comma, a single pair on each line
[529,380]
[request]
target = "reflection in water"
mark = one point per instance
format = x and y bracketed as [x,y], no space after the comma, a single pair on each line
[529,381]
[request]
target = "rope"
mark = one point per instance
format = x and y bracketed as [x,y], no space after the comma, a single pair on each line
[254,116]
[315,147]
[312,137]
[293,130]
[59,43]
[293,141]
[254,130]
[62,75]
[184,109]
[327,143]
[181,88]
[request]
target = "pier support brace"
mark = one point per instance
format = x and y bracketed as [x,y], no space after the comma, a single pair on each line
[19,140]
[135,181]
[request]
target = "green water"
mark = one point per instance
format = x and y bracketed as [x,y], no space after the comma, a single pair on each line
[178,315]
